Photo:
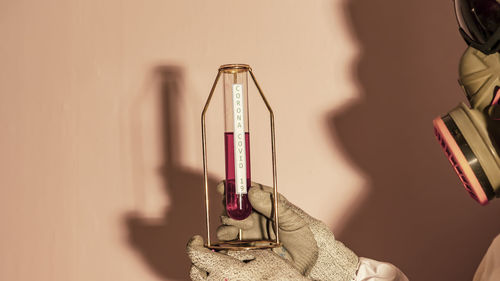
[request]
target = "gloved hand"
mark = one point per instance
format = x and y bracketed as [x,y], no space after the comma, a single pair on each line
[253,265]
[307,242]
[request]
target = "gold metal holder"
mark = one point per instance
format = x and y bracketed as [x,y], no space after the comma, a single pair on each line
[240,244]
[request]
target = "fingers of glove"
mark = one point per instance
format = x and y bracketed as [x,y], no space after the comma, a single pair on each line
[265,188]
[245,224]
[227,232]
[282,199]
[302,248]
[207,259]
[230,227]
[262,202]
[197,274]
[267,256]
[220,187]
[255,227]
[220,190]
[244,256]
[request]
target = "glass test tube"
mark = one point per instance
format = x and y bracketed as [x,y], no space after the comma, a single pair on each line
[237,143]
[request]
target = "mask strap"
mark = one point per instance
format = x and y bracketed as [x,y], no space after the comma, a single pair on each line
[489,47]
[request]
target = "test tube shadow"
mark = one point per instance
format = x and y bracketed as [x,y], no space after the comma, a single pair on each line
[161,243]
[417,214]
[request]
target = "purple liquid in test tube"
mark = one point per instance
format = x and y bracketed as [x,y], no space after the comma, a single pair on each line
[237,205]
[237,144]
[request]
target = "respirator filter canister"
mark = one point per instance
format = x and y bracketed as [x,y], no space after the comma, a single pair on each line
[468,135]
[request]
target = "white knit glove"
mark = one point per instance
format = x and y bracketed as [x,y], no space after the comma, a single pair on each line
[307,242]
[254,265]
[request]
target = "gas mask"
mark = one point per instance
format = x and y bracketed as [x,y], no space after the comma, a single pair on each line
[470,136]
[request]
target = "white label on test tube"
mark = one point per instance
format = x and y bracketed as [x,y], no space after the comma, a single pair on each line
[240,161]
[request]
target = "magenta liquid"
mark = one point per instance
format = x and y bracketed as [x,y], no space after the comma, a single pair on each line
[234,210]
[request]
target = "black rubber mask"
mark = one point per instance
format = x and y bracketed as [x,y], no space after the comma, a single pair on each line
[479,22]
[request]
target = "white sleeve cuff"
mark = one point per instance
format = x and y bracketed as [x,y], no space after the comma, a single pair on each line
[372,270]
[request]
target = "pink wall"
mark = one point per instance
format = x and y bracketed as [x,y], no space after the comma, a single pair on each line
[100,139]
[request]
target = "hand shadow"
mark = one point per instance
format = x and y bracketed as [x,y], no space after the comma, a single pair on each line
[417,215]
[161,243]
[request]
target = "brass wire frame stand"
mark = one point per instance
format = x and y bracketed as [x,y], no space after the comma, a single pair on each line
[240,244]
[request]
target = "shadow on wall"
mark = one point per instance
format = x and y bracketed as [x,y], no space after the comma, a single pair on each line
[162,242]
[417,214]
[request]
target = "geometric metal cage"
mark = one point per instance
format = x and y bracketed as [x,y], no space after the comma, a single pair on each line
[240,244]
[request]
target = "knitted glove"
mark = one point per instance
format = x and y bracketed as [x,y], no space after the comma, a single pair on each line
[307,242]
[254,265]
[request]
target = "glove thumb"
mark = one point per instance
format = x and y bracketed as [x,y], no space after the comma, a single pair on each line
[297,238]
[261,198]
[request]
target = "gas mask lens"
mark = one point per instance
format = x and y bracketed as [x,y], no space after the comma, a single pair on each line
[479,21]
